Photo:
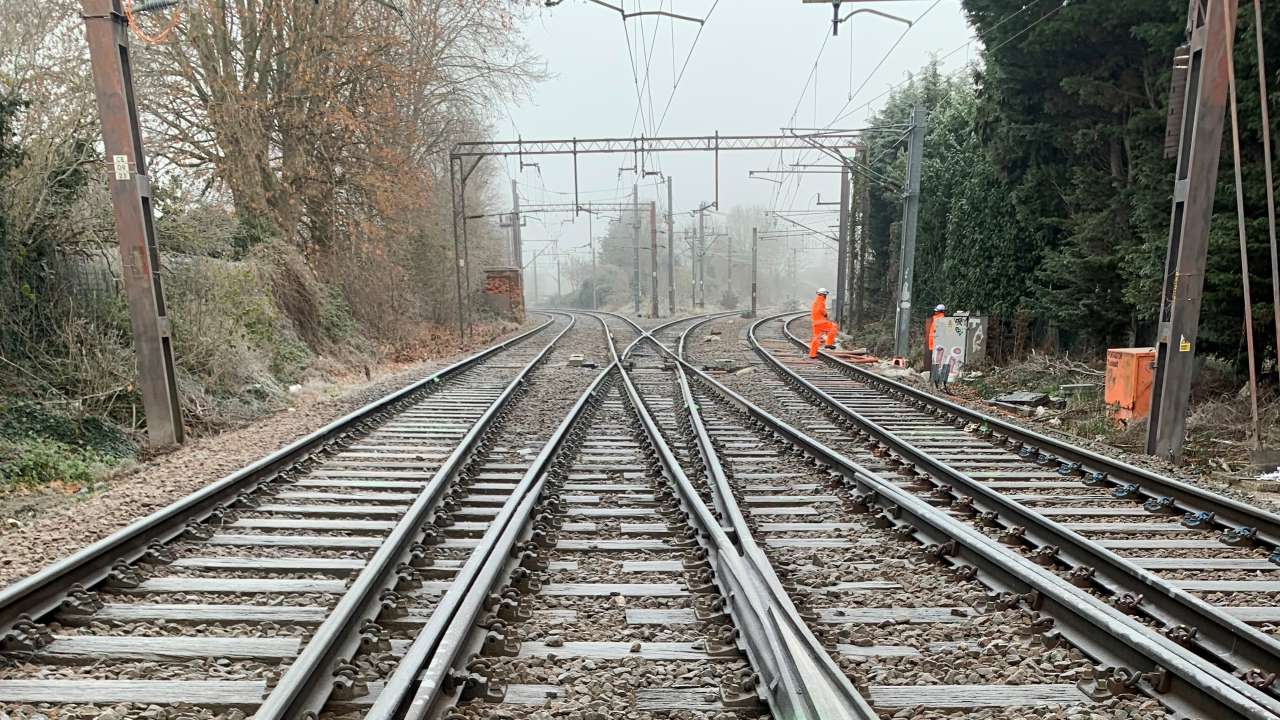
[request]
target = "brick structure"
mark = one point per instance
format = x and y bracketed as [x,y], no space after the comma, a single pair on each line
[504,292]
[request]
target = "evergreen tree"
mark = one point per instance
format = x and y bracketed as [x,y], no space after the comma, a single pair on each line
[1045,193]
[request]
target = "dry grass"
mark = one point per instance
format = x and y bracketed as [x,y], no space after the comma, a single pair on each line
[1220,429]
[1218,425]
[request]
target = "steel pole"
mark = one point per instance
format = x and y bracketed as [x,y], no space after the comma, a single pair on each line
[635,245]
[517,251]
[755,243]
[591,242]
[107,32]
[671,253]
[864,202]
[466,264]
[728,280]
[702,260]
[653,257]
[844,249]
[455,187]
[1195,181]
[693,269]
[910,215]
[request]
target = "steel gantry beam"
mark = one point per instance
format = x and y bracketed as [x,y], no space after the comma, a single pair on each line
[638,145]
[822,140]
[465,156]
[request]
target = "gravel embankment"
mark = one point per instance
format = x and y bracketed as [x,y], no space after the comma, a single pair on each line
[1197,475]
[29,542]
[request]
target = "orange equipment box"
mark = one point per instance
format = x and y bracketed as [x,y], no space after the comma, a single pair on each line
[1129,379]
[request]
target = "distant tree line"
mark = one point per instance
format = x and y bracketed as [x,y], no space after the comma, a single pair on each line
[1046,195]
[300,176]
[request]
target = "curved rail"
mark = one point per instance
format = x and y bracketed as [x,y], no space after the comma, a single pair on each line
[774,636]
[1232,516]
[801,681]
[1113,638]
[1223,636]
[42,592]
[1225,640]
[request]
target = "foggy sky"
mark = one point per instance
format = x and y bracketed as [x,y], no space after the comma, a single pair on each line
[746,76]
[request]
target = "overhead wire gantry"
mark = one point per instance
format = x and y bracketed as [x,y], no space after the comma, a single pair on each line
[465,157]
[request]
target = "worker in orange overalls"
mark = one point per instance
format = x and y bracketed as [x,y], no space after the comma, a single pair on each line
[822,325]
[939,312]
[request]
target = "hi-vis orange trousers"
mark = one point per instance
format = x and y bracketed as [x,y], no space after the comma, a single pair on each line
[824,328]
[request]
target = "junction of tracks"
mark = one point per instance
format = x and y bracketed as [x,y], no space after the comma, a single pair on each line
[583,522]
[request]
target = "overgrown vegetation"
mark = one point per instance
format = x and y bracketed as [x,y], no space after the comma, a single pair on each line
[1045,192]
[296,171]
[38,446]
[1045,201]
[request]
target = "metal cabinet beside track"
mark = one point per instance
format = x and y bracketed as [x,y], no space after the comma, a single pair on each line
[959,341]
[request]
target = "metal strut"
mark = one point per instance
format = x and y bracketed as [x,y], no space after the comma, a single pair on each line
[1195,182]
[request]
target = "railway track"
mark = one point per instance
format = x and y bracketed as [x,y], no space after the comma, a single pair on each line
[607,588]
[841,428]
[1200,566]
[288,584]
[635,537]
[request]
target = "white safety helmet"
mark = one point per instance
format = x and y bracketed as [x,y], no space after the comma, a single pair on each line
[823,291]
[940,308]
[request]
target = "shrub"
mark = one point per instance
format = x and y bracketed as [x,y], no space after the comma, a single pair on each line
[21,420]
[34,462]
[337,324]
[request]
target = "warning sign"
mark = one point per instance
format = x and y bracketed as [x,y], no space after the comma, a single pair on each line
[1184,345]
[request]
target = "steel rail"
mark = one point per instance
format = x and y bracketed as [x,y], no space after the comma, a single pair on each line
[828,692]
[309,682]
[1222,643]
[41,593]
[1136,658]
[1229,642]
[1230,515]
[801,681]
[429,669]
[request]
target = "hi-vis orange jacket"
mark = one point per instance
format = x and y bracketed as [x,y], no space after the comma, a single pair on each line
[819,312]
[928,329]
